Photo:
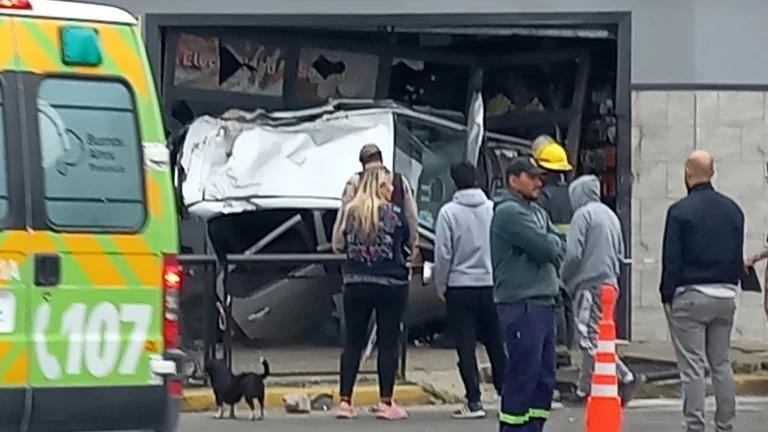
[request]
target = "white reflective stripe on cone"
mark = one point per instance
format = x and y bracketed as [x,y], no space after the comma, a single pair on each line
[606,346]
[605,369]
[605,390]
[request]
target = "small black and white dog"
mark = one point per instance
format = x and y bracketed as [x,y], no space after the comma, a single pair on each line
[229,388]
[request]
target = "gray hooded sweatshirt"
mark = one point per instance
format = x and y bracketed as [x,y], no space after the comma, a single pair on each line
[595,245]
[462,242]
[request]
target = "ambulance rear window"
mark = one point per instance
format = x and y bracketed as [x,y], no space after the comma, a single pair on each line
[3,169]
[91,154]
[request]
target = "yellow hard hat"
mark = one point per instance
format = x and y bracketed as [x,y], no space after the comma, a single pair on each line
[552,156]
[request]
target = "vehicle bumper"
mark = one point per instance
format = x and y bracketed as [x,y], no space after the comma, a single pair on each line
[89,409]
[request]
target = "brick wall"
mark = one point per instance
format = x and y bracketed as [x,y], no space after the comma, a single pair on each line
[666,127]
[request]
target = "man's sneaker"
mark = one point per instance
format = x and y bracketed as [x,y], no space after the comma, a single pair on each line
[391,411]
[346,411]
[470,411]
[573,399]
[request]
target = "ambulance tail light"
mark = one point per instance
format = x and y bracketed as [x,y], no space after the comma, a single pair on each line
[172,281]
[175,387]
[15,4]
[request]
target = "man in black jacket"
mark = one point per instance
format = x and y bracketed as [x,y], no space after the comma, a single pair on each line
[702,260]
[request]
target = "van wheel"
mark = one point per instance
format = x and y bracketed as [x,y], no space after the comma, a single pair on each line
[171,422]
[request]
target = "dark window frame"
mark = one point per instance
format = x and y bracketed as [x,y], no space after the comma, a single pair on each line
[41,217]
[14,218]
[4,141]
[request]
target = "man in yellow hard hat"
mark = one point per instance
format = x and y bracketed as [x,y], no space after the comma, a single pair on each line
[555,200]
[551,155]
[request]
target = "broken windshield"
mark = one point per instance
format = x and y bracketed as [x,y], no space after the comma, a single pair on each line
[424,153]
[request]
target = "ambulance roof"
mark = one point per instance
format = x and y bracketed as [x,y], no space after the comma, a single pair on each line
[70,10]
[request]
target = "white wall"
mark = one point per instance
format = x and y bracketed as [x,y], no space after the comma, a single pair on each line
[667,126]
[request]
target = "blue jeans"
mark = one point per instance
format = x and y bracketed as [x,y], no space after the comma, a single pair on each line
[529,381]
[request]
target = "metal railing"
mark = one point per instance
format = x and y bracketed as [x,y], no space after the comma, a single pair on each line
[211,312]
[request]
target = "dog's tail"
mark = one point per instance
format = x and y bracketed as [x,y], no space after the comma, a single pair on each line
[265,368]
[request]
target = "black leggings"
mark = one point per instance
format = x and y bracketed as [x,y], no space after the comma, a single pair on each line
[360,300]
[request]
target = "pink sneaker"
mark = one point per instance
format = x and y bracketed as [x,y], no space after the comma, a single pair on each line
[391,412]
[346,411]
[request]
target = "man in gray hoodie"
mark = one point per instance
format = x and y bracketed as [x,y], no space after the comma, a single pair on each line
[594,253]
[463,275]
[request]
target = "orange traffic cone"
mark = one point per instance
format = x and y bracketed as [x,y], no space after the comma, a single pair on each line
[604,404]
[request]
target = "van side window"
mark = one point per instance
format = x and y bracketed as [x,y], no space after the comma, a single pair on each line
[4,200]
[91,155]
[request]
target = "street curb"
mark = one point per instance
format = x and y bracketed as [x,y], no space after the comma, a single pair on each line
[201,399]
[754,365]
[752,385]
[442,396]
[746,385]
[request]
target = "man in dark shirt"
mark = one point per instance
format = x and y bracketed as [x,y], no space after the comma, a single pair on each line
[702,261]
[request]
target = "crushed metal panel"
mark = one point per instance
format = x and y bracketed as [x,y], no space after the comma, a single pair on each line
[229,163]
[240,161]
[286,308]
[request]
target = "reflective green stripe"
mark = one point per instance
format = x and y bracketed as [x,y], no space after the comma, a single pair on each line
[513,419]
[532,413]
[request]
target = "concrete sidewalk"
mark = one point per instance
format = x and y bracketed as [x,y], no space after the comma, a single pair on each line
[432,373]
[746,357]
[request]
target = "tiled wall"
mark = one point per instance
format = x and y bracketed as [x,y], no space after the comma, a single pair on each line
[666,127]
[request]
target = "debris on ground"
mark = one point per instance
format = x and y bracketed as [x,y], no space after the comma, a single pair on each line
[322,402]
[297,403]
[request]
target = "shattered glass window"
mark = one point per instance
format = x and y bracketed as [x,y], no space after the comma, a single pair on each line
[424,153]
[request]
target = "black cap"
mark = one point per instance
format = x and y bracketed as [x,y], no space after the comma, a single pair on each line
[524,164]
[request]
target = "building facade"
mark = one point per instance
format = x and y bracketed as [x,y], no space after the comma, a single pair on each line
[697,74]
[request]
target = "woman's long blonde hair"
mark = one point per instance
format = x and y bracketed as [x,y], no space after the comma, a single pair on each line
[363,209]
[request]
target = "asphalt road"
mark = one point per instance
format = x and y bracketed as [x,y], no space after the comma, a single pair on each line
[644,416]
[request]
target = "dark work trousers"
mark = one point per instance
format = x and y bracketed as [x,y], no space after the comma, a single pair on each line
[360,300]
[472,318]
[529,330]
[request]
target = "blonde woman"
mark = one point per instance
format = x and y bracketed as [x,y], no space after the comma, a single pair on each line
[374,235]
